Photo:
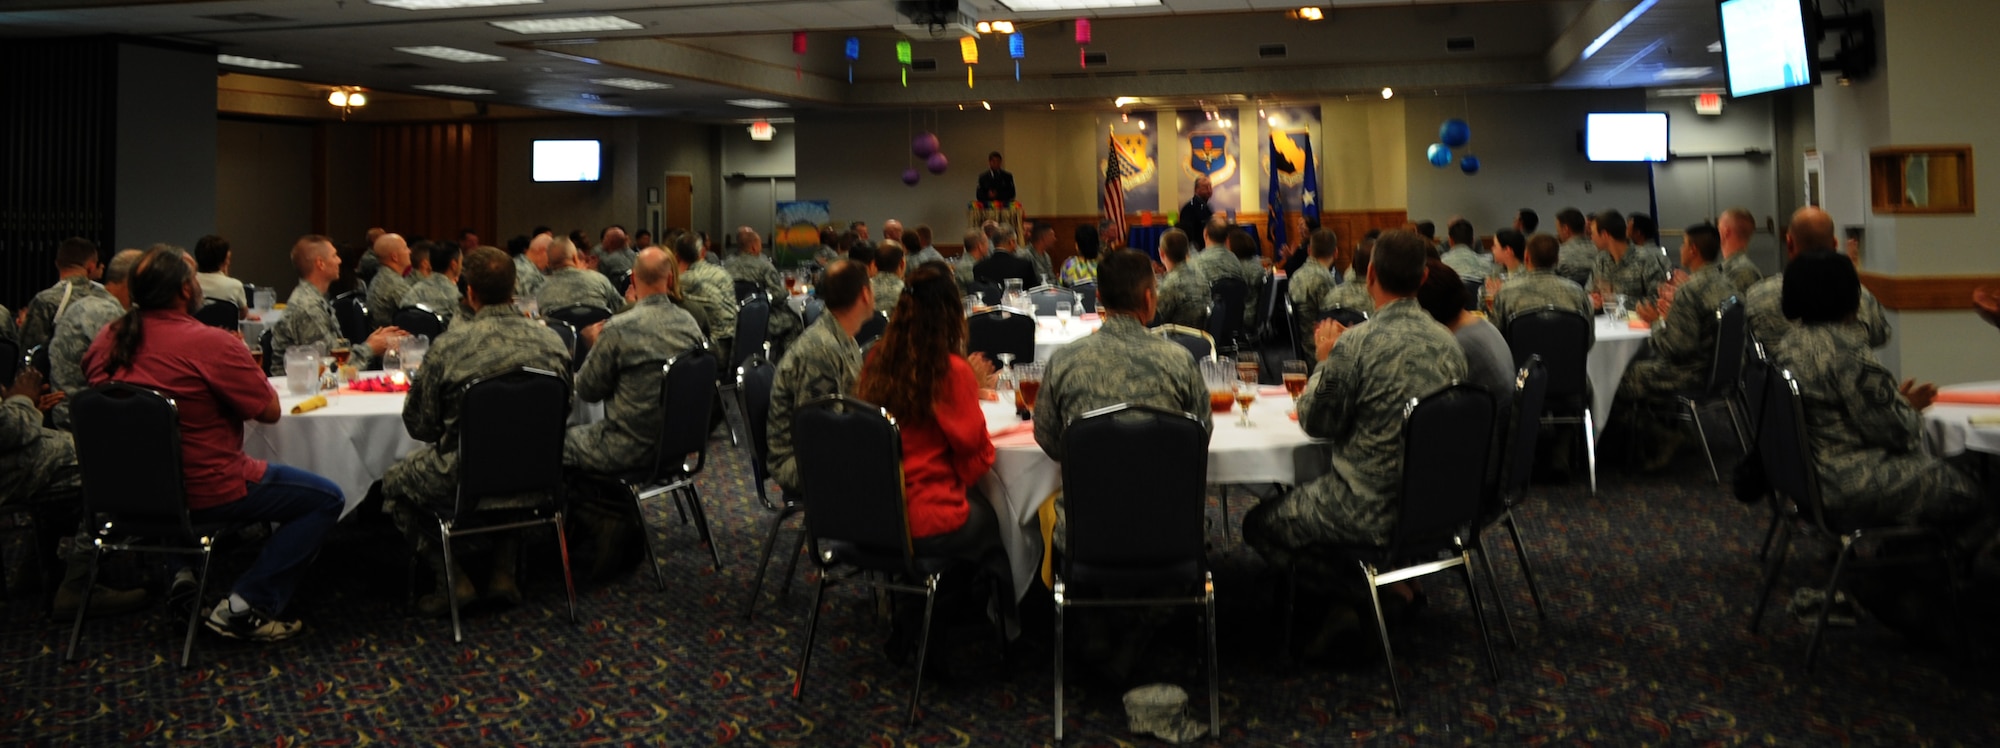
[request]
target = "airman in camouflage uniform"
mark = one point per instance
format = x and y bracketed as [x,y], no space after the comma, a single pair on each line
[710,295]
[1578,261]
[1355,399]
[1638,275]
[1351,295]
[1311,291]
[40,323]
[614,262]
[624,371]
[1535,290]
[569,285]
[1763,309]
[309,319]
[1682,345]
[34,461]
[385,292]
[888,288]
[753,266]
[824,361]
[1183,298]
[8,330]
[1470,265]
[75,329]
[528,279]
[436,291]
[1120,363]
[1742,273]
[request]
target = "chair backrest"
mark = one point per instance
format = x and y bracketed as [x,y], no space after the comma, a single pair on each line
[1473,289]
[1044,299]
[850,462]
[1531,389]
[989,293]
[1277,314]
[568,334]
[754,380]
[510,436]
[687,400]
[1725,375]
[1197,342]
[1346,315]
[350,312]
[128,449]
[38,357]
[1578,275]
[1756,385]
[10,361]
[753,328]
[1562,340]
[1782,446]
[219,313]
[1087,291]
[264,344]
[420,319]
[871,329]
[1225,311]
[814,308]
[997,331]
[1120,517]
[623,282]
[746,287]
[579,315]
[1442,434]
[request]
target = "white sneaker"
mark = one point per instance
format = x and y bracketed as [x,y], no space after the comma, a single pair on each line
[251,625]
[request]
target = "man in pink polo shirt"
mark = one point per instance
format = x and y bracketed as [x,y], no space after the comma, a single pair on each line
[209,374]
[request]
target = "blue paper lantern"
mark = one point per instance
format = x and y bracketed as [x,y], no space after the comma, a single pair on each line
[1454,133]
[1017,49]
[853,48]
[1469,165]
[1439,155]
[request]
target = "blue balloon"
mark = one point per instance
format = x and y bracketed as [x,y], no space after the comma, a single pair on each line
[1469,165]
[1454,133]
[1439,155]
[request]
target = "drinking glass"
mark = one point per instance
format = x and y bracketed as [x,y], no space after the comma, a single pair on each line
[1295,378]
[1029,386]
[1219,375]
[1246,393]
[1621,309]
[1006,379]
[301,370]
[1064,311]
[971,303]
[414,348]
[528,308]
[1248,367]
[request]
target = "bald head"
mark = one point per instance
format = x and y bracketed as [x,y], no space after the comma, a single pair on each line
[1811,230]
[652,272]
[392,251]
[613,239]
[748,241]
[561,254]
[538,250]
[892,230]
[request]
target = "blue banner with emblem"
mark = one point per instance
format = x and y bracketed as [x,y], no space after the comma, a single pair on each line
[1209,149]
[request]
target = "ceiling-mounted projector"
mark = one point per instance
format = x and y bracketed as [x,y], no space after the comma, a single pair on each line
[934,20]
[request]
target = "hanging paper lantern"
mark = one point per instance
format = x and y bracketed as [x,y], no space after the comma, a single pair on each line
[1017,49]
[1454,133]
[924,145]
[910,176]
[968,48]
[798,42]
[1083,31]
[1440,156]
[853,53]
[903,58]
[1469,165]
[936,163]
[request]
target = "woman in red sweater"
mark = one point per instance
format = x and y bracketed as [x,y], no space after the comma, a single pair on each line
[918,371]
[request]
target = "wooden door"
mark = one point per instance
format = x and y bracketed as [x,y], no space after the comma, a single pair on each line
[680,202]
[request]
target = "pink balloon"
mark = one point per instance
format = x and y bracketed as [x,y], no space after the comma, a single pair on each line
[924,145]
[937,163]
[910,176]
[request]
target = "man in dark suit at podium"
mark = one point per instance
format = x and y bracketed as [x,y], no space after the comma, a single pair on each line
[996,185]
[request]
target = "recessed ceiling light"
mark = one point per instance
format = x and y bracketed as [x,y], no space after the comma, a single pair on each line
[1683,74]
[602,107]
[1024,6]
[448,4]
[450,89]
[632,84]
[252,62]
[575,25]
[757,103]
[452,54]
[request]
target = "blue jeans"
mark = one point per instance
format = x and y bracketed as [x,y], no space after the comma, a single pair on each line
[305,506]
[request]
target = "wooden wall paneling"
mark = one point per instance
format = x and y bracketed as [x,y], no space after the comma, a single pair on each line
[59,139]
[1926,292]
[435,179]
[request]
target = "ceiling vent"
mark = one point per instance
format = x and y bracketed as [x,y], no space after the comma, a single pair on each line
[1271,51]
[1458,44]
[1094,59]
[924,64]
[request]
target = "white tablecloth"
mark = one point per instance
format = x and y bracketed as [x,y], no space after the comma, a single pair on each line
[1950,429]
[1051,333]
[1617,343]
[1023,477]
[352,441]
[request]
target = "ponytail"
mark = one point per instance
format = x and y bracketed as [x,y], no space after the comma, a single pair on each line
[155,283]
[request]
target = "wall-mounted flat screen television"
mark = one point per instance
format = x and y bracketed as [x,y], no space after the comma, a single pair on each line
[1765,45]
[567,160]
[1625,136]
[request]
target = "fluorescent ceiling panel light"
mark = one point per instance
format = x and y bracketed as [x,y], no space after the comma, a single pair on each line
[450,89]
[576,25]
[600,107]
[448,4]
[757,103]
[1683,74]
[632,84]
[252,62]
[452,54]
[1026,6]
[1612,33]
[1715,47]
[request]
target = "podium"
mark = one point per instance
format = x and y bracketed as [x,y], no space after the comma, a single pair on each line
[1005,214]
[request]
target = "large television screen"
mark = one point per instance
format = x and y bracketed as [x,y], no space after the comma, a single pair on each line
[567,161]
[1764,46]
[1625,136]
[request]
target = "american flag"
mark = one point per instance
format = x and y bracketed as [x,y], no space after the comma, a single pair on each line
[1116,167]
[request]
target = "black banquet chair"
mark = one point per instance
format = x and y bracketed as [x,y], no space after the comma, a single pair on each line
[128,452]
[420,319]
[871,330]
[753,384]
[1197,342]
[1043,300]
[510,444]
[687,397]
[350,313]
[1086,292]
[997,331]
[10,361]
[850,458]
[1136,530]
[1442,433]
[753,338]
[1226,297]
[1517,466]
[1561,339]
[1724,383]
[219,314]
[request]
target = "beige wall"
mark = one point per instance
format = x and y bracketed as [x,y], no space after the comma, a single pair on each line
[263,201]
[1362,163]
[855,162]
[1526,142]
[1053,156]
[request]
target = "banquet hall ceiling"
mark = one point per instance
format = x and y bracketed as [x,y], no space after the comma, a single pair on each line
[712,51]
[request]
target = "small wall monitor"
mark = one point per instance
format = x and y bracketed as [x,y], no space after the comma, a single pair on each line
[1625,136]
[1765,47]
[567,160]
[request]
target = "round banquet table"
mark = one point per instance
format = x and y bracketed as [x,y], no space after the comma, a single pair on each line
[1617,344]
[352,441]
[1954,427]
[1051,333]
[1023,477]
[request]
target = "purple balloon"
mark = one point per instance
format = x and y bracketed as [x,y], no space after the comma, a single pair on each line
[937,163]
[924,145]
[910,176]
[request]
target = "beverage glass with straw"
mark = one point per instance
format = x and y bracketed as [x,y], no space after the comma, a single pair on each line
[1219,374]
[1065,309]
[1029,385]
[1295,380]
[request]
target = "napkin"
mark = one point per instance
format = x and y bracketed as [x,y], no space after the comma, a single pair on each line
[379,384]
[1968,397]
[1638,324]
[310,404]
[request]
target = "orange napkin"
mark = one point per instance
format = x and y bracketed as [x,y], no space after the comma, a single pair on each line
[1294,415]
[1020,433]
[309,405]
[1638,324]
[1969,397]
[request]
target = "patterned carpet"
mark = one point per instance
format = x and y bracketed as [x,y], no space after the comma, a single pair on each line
[1648,587]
